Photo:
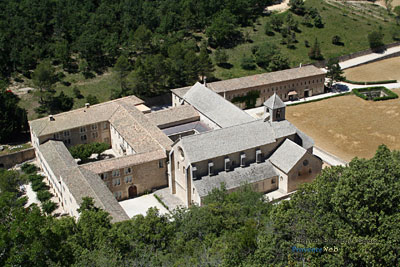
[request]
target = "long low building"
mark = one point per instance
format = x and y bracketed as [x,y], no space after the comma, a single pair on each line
[288,84]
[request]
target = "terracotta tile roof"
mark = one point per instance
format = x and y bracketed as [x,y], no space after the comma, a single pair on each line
[173,116]
[80,117]
[181,91]
[265,78]
[123,162]
[80,182]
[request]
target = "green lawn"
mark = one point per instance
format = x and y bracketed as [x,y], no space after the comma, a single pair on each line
[100,86]
[15,148]
[352,28]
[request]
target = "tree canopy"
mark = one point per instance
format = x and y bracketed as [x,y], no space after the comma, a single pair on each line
[353,210]
[13,119]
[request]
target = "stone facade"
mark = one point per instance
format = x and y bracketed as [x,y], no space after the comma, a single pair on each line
[280,160]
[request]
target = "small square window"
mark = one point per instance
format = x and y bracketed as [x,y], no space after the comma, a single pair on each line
[94,126]
[273,181]
[116,182]
[128,170]
[160,164]
[115,173]
[128,179]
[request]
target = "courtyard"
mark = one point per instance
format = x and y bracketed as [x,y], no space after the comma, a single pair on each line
[349,126]
[387,69]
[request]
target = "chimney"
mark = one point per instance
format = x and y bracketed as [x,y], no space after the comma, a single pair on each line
[51,118]
[300,65]
[205,81]
[87,105]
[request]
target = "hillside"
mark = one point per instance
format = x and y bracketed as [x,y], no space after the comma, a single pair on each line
[159,61]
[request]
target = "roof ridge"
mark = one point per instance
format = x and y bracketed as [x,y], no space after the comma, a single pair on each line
[113,101]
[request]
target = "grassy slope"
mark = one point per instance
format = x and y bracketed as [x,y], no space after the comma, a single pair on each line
[352,29]
[100,86]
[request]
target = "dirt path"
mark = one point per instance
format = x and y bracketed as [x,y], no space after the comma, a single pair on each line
[283,6]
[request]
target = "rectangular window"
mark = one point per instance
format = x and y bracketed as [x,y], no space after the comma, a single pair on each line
[95,134]
[83,137]
[105,126]
[115,173]
[210,168]
[94,126]
[128,170]
[243,160]
[227,164]
[116,182]
[103,176]
[128,179]
[258,156]
[273,181]
[83,129]
[66,133]
[160,164]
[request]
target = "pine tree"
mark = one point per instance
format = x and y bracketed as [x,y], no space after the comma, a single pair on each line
[315,51]
[206,65]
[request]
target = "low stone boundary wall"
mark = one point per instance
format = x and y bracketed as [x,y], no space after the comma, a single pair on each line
[322,63]
[10,160]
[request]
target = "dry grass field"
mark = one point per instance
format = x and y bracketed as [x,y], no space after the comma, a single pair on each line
[387,69]
[394,3]
[349,126]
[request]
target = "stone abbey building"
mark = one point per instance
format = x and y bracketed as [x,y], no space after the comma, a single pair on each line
[193,147]
[288,84]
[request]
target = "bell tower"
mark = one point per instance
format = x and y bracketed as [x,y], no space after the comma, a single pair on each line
[275,107]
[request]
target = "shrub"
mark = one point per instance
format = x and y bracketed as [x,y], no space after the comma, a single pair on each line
[390,94]
[247,63]
[370,83]
[35,177]
[28,168]
[336,40]
[92,100]
[84,151]
[38,186]
[250,99]
[221,57]
[49,206]
[77,92]
[43,195]
[375,40]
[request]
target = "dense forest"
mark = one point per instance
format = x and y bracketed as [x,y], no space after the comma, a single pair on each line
[350,214]
[158,37]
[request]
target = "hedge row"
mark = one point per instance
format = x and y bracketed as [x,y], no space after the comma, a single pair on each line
[371,83]
[42,192]
[390,94]
[319,99]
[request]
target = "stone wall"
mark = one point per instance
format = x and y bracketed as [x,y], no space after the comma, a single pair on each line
[10,160]
[322,63]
